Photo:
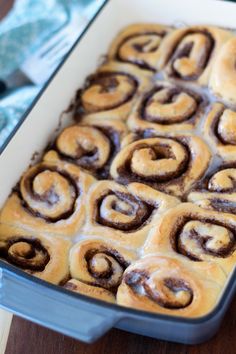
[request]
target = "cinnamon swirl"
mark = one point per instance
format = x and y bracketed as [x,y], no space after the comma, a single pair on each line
[91,145]
[219,131]
[167,108]
[217,191]
[139,44]
[171,286]
[50,197]
[100,265]
[111,91]
[197,234]
[36,254]
[124,214]
[188,53]
[172,165]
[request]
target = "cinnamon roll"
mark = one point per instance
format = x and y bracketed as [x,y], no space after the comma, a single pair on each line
[91,145]
[223,76]
[90,290]
[197,234]
[35,253]
[171,286]
[50,197]
[219,131]
[124,214]
[166,108]
[172,165]
[111,91]
[217,191]
[188,53]
[139,44]
[100,265]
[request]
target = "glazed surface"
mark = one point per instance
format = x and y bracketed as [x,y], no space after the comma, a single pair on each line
[134,202]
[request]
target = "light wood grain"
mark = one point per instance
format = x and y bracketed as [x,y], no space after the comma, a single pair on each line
[5,324]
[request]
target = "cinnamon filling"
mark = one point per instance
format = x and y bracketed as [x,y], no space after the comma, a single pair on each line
[225,134]
[106,266]
[186,62]
[170,293]
[89,157]
[122,211]
[221,180]
[50,197]
[105,83]
[146,42]
[160,152]
[169,105]
[198,238]
[224,206]
[25,253]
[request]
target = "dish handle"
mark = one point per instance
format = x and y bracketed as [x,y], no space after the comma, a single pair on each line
[76,316]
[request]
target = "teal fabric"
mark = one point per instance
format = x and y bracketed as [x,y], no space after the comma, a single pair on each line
[26,27]
[13,107]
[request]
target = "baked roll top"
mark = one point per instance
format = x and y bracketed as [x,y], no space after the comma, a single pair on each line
[139,44]
[171,286]
[37,254]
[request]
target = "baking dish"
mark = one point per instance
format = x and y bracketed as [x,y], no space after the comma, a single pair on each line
[76,315]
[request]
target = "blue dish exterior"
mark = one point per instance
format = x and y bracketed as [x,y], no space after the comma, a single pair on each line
[88,319]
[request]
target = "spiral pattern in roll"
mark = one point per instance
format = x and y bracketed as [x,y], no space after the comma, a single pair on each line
[197,234]
[188,53]
[111,91]
[172,165]
[219,131]
[166,285]
[139,44]
[35,253]
[99,263]
[25,253]
[49,193]
[167,108]
[124,214]
[49,198]
[217,191]
[91,145]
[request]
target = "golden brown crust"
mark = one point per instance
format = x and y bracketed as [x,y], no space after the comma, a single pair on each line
[217,190]
[124,214]
[100,264]
[89,290]
[91,145]
[111,92]
[219,131]
[35,253]
[172,165]
[188,53]
[167,108]
[50,198]
[223,76]
[139,44]
[196,234]
[176,147]
[171,286]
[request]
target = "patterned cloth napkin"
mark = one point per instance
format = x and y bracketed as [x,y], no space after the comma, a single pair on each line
[26,27]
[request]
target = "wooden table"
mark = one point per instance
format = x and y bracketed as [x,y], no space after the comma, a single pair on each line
[28,338]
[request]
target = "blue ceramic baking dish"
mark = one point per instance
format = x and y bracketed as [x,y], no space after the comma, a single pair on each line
[51,306]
